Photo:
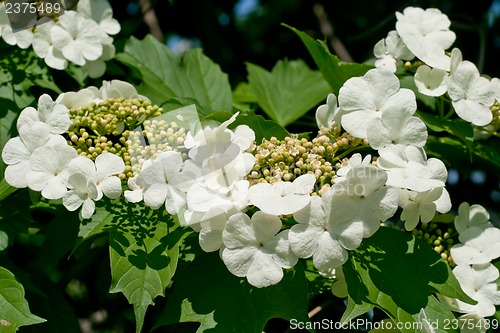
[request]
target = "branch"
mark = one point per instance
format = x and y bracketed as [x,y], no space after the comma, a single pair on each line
[151,20]
[327,30]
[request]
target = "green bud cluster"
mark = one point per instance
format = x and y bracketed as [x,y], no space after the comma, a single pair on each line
[495,123]
[292,157]
[113,126]
[112,116]
[156,136]
[441,241]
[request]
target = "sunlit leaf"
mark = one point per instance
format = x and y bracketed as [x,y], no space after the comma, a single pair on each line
[333,69]
[289,91]
[399,273]
[143,252]
[15,311]
[165,75]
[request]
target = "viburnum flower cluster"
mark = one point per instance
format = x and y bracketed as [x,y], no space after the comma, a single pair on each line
[263,205]
[41,159]
[425,34]
[80,35]
[479,245]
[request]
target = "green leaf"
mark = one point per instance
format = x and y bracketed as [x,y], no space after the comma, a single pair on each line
[334,71]
[456,127]
[263,128]
[355,310]
[243,97]
[226,303]
[482,154]
[4,240]
[399,273]
[144,248]
[486,153]
[165,75]
[6,189]
[15,309]
[316,282]
[289,91]
[99,223]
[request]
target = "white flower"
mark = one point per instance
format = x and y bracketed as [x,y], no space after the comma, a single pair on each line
[282,198]
[78,38]
[471,94]
[479,246]
[408,167]
[97,68]
[426,33]
[217,154]
[219,171]
[254,250]
[100,173]
[472,216]
[49,172]
[44,48]
[49,112]
[422,206]
[164,182]
[119,89]
[390,52]
[203,199]
[136,187]
[363,99]
[361,196]
[218,135]
[21,38]
[426,325]
[82,192]
[17,151]
[328,114]
[479,283]
[355,159]
[495,86]
[209,226]
[396,127]
[101,12]
[323,237]
[79,98]
[431,81]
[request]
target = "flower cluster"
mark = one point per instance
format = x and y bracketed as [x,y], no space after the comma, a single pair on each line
[236,193]
[479,245]
[41,158]
[425,34]
[81,36]
[287,159]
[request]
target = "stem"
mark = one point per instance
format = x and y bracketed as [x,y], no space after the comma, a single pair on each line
[347,152]
[151,20]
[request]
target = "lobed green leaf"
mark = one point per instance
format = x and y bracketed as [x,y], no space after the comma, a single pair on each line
[15,310]
[333,69]
[226,303]
[399,273]
[289,91]
[165,75]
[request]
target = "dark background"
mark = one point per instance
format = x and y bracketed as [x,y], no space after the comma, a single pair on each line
[230,39]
